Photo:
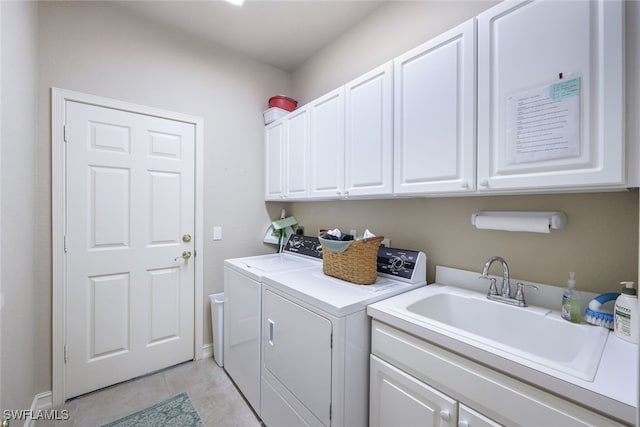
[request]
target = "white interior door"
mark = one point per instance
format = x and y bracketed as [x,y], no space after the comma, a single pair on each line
[129,294]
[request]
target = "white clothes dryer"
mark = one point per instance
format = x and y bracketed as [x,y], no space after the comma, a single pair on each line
[316,341]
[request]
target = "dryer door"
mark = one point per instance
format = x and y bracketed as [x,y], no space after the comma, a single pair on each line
[297,352]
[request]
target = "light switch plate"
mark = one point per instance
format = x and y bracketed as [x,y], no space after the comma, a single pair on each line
[217,232]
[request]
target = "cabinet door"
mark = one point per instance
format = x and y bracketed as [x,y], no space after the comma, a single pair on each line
[327,145]
[434,109]
[296,172]
[297,352]
[369,133]
[274,141]
[467,417]
[574,137]
[398,399]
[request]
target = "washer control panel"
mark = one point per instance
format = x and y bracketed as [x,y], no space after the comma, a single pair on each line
[304,245]
[402,264]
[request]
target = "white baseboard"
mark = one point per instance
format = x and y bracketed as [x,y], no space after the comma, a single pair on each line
[207,351]
[43,400]
[40,402]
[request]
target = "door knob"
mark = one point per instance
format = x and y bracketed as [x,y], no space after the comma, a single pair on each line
[185,255]
[186,238]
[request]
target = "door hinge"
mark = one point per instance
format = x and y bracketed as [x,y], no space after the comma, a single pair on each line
[330,411]
[64,244]
[64,133]
[66,356]
[331,342]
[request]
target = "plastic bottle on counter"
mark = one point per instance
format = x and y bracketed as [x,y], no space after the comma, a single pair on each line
[570,309]
[625,313]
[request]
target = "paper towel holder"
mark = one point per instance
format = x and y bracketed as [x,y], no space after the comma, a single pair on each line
[557,219]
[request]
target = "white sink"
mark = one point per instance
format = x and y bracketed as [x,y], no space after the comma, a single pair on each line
[523,334]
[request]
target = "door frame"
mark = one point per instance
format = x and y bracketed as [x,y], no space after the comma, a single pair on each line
[58,214]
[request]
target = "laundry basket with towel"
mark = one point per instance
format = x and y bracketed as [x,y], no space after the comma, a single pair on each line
[354,261]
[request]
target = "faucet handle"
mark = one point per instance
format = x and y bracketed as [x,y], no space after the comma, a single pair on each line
[520,293]
[493,289]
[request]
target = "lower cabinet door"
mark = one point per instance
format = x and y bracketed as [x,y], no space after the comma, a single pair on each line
[470,418]
[398,399]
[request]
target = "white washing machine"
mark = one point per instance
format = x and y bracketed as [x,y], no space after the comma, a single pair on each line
[242,311]
[316,341]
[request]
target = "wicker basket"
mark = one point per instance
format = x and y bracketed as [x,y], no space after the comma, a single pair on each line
[358,264]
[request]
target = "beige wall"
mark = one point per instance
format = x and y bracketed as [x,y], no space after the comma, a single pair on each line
[101,49]
[20,314]
[601,241]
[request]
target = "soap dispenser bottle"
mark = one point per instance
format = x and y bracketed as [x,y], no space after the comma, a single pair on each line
[625,314]
[570,309]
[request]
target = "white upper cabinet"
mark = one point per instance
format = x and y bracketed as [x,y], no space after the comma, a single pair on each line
[537,132]
[296,171]
[274,140]
[327,145]
[434,109]
[369,134]
[526,98]
[287,157]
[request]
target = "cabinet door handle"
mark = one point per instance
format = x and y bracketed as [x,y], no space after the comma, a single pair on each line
[445,416]
[272,325]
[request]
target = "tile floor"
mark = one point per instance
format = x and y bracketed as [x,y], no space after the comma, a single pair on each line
[213,394]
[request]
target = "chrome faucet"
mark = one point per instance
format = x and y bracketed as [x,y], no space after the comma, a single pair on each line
[505,291]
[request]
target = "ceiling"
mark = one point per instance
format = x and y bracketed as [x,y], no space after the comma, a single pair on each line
[280,33]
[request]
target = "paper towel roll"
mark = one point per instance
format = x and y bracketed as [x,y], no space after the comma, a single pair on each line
[513,223]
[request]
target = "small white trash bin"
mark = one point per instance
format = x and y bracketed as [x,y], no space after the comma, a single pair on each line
[217,330]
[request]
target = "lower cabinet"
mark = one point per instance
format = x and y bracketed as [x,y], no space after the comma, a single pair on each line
[399,399]
[416,383]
